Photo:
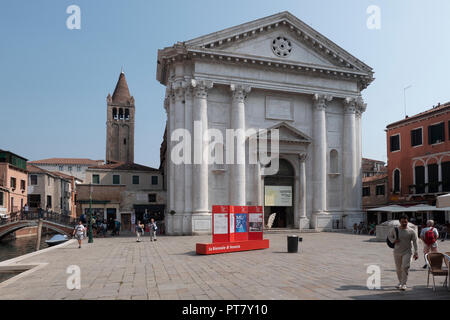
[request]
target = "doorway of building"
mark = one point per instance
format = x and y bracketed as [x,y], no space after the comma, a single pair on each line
[111,215]
[126,221]
[281,185]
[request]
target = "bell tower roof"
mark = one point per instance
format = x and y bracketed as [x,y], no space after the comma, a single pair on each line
[121,92]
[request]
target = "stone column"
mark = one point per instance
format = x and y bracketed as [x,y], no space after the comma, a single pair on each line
[178,176]
[170,184]
[200,205]
[360,109]
[237,185]
[349,157]
[187,220]
[320,157]
[304,221]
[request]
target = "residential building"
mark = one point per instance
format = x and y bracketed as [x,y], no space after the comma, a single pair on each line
[372,167]
[271,73]
[13,182]
[375,194]
[419,158]
[49,191]
[123,191]
[75,167]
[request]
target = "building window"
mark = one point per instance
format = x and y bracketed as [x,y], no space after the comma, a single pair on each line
[436,133]
[61,168]
[13,183]
[416,137]
[395,142]
[33,179]
[114,113]
[420,179]
[49,201]
[96,179]
[1,199]
[116,179]
[154,180]
[366,191]
[433,178]
[79,168]
[22,184]
[127,114]
[135,179]
[380,190]
[124,141]
[396,187]
[445,176]
[69,168]
[151,197]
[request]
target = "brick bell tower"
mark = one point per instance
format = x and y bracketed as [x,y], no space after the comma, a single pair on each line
[120,124]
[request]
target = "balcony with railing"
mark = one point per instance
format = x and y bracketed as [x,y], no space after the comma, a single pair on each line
[430,188]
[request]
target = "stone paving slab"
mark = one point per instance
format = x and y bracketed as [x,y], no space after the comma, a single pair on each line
[328,266]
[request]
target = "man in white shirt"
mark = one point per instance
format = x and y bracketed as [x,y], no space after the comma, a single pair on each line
[79,232]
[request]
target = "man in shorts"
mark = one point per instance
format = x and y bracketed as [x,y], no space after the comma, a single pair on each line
[79,232]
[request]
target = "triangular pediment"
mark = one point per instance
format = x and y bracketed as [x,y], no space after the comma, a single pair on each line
[280,37]
[287,134]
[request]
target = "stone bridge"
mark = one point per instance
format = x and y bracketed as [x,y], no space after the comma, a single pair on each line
[13,226]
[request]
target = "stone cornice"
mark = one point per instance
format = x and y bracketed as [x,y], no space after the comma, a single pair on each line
[363,78]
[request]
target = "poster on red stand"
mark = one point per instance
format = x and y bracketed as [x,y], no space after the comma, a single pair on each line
[220,222]
[255,222]
[240,223]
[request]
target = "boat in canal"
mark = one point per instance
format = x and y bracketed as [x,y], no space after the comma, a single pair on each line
[57,239]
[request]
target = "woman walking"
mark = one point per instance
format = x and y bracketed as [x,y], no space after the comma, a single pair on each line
[139,229]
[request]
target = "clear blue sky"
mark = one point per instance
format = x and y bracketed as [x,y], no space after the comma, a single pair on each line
[54,81]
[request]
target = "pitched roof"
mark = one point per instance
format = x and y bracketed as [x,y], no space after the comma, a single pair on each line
[435,109]
[121,92]
[210,47]
[75,161]
[37,170]
[65,176]
[122,166]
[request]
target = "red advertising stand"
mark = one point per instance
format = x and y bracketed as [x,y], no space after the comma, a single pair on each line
[235,228]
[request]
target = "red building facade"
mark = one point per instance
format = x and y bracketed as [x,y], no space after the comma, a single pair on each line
[419,156]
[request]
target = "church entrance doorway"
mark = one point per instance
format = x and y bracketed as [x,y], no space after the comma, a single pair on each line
[278,196]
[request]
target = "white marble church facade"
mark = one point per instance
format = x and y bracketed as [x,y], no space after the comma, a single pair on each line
[275,72]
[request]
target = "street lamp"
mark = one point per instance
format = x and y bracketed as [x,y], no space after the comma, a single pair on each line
[91,238]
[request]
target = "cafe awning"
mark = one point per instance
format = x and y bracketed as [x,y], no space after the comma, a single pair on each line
[416,208]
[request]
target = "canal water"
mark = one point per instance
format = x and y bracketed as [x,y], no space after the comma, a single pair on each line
[10,249]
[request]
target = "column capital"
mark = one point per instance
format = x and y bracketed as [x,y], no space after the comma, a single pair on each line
[303,157]
[320,101]
[201,87]
[350,105]
[239,92]
[360,106]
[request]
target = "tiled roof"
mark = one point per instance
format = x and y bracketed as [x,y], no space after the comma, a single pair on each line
[65,176]
[122,166]
[438,108]
[121,93]
[374,178]
[74,161]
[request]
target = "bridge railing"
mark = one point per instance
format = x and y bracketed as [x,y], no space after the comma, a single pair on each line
[35,215]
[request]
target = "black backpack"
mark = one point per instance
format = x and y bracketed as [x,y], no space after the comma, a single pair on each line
[389,243]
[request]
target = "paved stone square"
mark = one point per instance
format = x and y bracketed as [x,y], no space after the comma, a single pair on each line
[328,266]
